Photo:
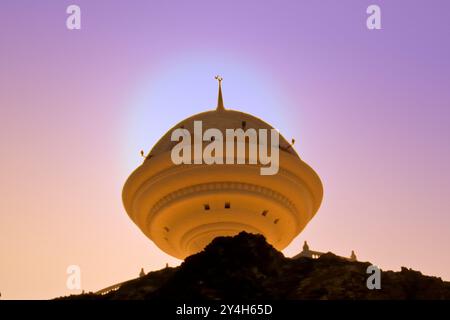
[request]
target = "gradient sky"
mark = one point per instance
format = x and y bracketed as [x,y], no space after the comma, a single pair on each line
[370,112]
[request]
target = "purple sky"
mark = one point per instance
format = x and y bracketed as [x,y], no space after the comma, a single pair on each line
[370,111]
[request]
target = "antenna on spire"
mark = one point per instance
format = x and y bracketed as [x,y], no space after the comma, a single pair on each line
[219,99]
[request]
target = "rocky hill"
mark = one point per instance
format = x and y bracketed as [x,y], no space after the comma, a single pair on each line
[247,267]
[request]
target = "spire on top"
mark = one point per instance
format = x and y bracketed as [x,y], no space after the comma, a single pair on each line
[219,99]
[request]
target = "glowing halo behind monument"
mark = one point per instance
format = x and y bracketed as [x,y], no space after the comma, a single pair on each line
[181,86]
[184,207]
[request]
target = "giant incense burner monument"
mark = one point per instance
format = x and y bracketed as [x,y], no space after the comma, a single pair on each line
[183,206]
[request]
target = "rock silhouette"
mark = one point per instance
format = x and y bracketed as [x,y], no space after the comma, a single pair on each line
[247,267]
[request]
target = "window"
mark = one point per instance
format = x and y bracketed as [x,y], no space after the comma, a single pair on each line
[206,206]
[264,213]
[227,205]
[276,221]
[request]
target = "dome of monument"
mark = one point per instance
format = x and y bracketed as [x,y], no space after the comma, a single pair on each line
[183,207]
[221,119]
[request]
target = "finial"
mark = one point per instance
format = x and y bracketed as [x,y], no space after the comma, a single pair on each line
[146,157]
[353,256]
[219,99]
[291,144]
[305,246]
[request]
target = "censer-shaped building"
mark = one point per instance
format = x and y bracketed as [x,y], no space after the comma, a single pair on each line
[183,207]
